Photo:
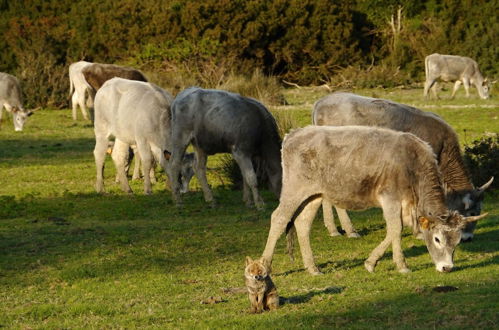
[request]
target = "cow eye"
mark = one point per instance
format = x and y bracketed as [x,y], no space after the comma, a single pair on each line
[437,240]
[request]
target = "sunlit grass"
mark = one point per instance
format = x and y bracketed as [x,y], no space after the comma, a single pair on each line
[71,258]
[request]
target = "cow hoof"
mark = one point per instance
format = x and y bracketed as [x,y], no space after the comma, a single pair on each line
[404,270]
[314,271]
[353,235]
[369,267]
[334,234]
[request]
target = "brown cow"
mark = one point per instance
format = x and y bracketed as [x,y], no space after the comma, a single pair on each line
[97,74]
[340,109]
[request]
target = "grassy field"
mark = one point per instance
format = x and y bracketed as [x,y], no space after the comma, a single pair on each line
[71,258]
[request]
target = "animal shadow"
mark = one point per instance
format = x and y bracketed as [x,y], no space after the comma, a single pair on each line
[303,298]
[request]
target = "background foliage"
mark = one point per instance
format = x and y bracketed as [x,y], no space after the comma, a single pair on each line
[183,42]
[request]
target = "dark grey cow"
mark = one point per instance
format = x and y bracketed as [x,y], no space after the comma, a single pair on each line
[356,167]
[136,114]
[217,121]
[340,109]
[454,68]
[12,99]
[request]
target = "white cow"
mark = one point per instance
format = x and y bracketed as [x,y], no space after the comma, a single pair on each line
[135,113]
[454,68]
[11,98]
[78,88]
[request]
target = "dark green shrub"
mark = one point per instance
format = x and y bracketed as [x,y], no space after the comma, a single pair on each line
[482,159]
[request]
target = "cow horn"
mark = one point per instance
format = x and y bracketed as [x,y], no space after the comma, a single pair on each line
[485,186]
[476,217]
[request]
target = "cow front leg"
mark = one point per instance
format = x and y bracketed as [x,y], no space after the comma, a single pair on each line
[249,176]
[303,224]
[327,213]
[456,87]
[200,170]
[120,156]
[466,84]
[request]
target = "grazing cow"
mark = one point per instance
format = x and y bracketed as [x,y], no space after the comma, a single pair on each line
[135,113]
[78,88]
[454,68]
[218,121]
[11,98]
[356,167]
[340,109]
[97,74]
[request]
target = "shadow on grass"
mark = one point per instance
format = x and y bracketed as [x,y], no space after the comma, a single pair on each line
[303,298]
[96,235]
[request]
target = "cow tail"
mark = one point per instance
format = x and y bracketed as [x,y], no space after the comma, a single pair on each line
[290,240]
[71,86]
[426,67]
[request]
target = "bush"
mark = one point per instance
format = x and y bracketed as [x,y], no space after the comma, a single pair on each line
[482,159]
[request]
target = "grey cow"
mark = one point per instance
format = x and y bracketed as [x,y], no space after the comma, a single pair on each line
[340,109]
[217,121]
[11,98]
[454,68]
[356,167]
[135,113]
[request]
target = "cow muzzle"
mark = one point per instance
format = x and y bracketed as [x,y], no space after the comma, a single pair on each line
[444,268]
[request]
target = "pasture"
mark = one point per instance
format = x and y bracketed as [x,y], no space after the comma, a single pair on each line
[72,258]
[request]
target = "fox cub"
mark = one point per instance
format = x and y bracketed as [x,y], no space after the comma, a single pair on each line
[262,292]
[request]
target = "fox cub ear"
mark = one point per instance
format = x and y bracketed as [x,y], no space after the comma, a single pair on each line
[248,260]
[263,261]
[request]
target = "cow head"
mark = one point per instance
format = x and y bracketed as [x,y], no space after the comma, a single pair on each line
[20,116]
[483,89]
[442,234]
[471,205]
[186,170]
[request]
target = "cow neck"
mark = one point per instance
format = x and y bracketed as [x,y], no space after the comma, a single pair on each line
[454,174]
[431,197]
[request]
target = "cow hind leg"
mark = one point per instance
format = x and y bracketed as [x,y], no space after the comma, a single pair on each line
[346,223]
[74,105]
[100,151]
[120,155]
[428,85]
[83,106]
[303,224]
[146,158]
[279,219]
[327,213]
[249,176]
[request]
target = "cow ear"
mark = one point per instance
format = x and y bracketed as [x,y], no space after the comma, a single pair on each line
[248,260]
[167,154]
[30,113]
[424,223]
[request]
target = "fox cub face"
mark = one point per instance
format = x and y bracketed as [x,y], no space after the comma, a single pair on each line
[255,269]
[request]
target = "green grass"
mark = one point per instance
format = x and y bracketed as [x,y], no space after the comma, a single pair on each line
[71,258]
